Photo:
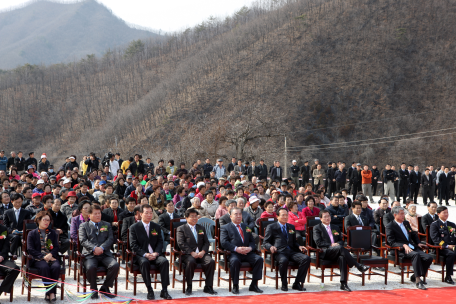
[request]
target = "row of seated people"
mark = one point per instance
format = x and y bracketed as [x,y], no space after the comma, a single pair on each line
[96,238]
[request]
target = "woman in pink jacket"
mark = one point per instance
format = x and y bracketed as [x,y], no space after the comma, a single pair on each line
[296,219]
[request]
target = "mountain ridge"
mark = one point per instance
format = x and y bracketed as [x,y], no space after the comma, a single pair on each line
[49,32]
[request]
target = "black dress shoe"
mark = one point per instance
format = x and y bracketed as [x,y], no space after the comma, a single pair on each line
[94,296]
[106,292]
[235,289]
[209,290]
[150,295]
[255,288]
[344,286]
[165,295]
[421,286]
[47,298]
[298,287]
[284,288]
[412,278]
[449,280]
[188,292]
[363,268]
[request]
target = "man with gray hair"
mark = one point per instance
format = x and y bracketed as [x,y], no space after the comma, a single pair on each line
[219,169]
[294,171]
[246,218]
[399,233]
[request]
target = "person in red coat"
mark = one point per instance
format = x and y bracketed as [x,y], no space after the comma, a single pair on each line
[311,209]
[299,221]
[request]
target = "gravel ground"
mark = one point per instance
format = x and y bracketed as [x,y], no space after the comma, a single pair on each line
[376,282]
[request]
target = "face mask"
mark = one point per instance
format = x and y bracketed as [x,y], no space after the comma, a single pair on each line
[192,194]
[51,170]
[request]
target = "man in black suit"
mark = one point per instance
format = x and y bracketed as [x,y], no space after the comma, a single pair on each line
[403,182]
[164,220]
[443,234]
[280,238]
[130,205]
[415,180]
[263,170]
[444,186]
[129,221]
[328,237]
[356,180]
[305,174]
[12,271]
[6,204]
[276,172]
[337,213]
[96,239]
[60,225]
[400,234]
[237,238]
[231,165]
[429,217]
[146,241]
[389,217]
[427,183]
[13,220]
[193,242]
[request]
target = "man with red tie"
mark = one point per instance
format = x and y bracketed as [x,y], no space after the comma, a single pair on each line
[237,238]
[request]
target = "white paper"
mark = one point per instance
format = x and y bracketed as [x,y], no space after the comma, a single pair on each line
[183,220]
[359,228]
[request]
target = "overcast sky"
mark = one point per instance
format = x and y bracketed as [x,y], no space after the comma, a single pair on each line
[167,15]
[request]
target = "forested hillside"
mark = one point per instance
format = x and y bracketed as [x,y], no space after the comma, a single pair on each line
[51,32]
[318,71]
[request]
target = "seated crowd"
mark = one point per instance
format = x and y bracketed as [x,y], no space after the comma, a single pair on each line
[99,204]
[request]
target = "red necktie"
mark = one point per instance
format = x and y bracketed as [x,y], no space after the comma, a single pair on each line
[240,231]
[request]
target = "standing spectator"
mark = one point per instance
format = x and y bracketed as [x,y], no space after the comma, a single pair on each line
[294,171]
[318,176]
[403,183]
[148,166]
[341,178]
[19,162]
[427,182]
[113,165]
[160,170]
[69,166]
[207,167]
[239,168]
[219,169]
[263,170]
[31,160]
[350,172]
[375,178]
[10,161]
[119,160]
[137,166]
[444,189]
[331,178]
[276,172]
[305,173]
[3,161]
[415,180]
[366,175]
[231,165]
[126,164]
[92,163]
[252,171]
[356,179]
[388,181]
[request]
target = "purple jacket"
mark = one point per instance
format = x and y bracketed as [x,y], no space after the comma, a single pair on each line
[76,221]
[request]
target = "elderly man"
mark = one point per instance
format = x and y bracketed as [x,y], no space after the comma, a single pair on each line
[399,233]
[238,239]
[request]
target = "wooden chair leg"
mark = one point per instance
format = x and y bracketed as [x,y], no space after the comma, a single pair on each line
[218,277]
[245,274]
[29,290]
[115,286]
[408,270]
[323,275]
[174,276]
[289,274]
[155,286]
[11,293]
[332,274]
[277,278]
[201,277]
[134,283]
[229,280]
[264,275]
[402,275]
[61,290]
[183,282]
[386,274]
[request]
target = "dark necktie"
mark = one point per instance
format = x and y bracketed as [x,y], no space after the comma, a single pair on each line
[284,231]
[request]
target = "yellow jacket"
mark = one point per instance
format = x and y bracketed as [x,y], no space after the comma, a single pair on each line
[125,165]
